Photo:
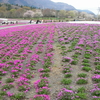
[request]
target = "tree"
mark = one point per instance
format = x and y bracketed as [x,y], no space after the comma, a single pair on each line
[19,12]
[83,14]
[28,14]
[38,13]
[62,14]
[47,12]
[71,13]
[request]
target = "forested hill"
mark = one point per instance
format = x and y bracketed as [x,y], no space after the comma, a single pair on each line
[41,4]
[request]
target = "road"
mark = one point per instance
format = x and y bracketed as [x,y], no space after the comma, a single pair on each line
[15,26]
[79,22]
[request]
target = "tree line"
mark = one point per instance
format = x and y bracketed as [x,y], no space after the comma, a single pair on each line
[16,11]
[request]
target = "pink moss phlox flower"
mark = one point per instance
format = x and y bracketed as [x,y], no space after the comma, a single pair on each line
[45,97]
[10,94]
[96,77]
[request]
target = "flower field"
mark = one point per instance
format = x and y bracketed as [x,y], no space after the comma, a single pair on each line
[53,61]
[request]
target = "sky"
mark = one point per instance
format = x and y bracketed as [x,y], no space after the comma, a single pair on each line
[91,5]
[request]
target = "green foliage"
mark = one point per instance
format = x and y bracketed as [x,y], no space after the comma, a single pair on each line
[66,81]
[69,50]
[87,69]
[32,63]
[7,87]
[82,96]
[9,80]
[81,89]
[96,72]
[46,70]
[65,70]
[44,91]
[18,96]
[67,75]
[75,55]
[85,61]
[42,83]
[96,80]
[29,76]
[96,93]
[87,55]
[2,93]
[0,77]
[45,75]
[32,68]
[86,64]
[98,85]
[82,75]
[21,88]
[97,67]
[74,62]
[63,47]
[82,81]
[46,64]
[20,50]
[97,63]
[64,53]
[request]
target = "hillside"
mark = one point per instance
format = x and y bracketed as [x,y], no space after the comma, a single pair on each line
[41,4]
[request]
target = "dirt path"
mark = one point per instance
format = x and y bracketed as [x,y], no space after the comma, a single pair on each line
[56,71]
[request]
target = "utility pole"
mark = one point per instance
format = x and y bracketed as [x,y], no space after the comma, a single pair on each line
[98,13]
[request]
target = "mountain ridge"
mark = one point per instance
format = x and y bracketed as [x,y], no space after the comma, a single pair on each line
[43,4]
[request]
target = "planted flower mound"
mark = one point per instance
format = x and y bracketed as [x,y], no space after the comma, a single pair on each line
[53,61]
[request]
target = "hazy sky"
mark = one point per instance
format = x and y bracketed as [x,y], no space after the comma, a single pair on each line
[91,5]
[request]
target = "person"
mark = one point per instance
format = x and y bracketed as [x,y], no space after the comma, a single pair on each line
[37,21]
[16,22]
[30,21]
[41,21]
